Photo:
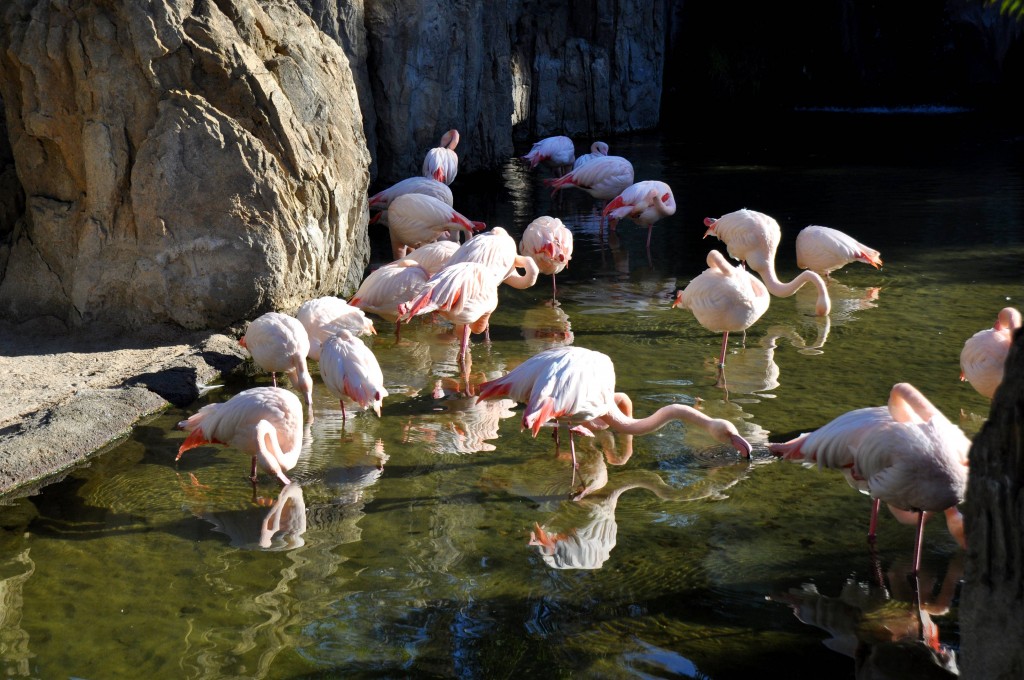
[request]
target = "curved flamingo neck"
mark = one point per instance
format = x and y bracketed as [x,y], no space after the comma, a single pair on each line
[620,422]
[782,289]
[525,280]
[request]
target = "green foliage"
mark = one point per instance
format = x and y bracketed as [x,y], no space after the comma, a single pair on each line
[1013,8]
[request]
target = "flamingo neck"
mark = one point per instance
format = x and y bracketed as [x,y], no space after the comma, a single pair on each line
[620,422]
[782,289]
[525,280]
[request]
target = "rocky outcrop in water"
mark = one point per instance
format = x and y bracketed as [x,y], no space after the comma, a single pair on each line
[192,162]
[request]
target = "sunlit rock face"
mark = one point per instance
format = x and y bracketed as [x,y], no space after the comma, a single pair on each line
[188,162]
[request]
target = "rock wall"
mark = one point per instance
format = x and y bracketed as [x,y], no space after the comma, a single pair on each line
[197,162]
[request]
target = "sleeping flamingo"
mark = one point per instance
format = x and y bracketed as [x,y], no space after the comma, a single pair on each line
[984,354]
[386,287]
[824,250]
[497,250]
[416,219]
[906,454]
[265,422]
[644,202]
[350,369]
[576,386]
[603,178]
[724,299]
[464,293]
[441,162]
[753,237]
[324,316]
[278,342]
[549,243]
[597,150]
[556,152]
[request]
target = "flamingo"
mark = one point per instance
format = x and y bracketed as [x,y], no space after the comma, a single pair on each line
[597,150]
[556,152]
[549,242]
[433,256]
[441,162]
[906,454]
[279,342]
[263,421]
[576,386]
[350,369]
[644,202]
[465,293]
[984,354]
[753,237]
[603,178]
[386,287]
[724,298]
[823,250]
[497,250]
[415,219]
[428,186]
[324,316]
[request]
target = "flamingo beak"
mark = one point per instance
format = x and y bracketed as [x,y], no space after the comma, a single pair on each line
[741,445]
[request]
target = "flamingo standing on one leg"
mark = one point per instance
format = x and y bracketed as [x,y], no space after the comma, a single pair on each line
[906,454]
[576,386]
[278,342]
[644,202]
[441,162]
[416,219]
[324,316]
[984,354]
[824,250]
[386,287]
[350,369]
[556,152]
[753,237]
[724,298]
[549,242]
[265,422]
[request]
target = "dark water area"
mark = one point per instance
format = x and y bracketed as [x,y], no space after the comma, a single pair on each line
[402,547]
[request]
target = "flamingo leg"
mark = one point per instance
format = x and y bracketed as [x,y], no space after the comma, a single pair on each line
[273,378]
[725,346]
[554,289]
[918,542]
[252,473]
[575,465]
[873,527]
[342,402]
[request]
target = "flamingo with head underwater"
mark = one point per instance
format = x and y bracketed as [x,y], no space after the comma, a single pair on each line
[824,250]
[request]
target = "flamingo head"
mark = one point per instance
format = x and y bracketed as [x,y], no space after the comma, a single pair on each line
[709,222]
[450,139]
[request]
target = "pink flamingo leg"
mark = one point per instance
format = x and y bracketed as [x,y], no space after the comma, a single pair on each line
[342,410]
[918,541]
[725,346]
[873,527]
[273,377]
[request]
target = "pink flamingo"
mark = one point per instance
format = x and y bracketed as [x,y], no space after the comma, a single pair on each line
[823,250]
[350,369]
[556,152]
[497,250]
[386,287]
[441,162]
[263,421]
[984,354]
[433,256]
[906,454]
[428,186]
[278,342]
[464,293]
[603,178]
[724,299]
[597,150]
[549,242]
[576,386]
[416,219]
[324,316]
[753,237]
[644,202]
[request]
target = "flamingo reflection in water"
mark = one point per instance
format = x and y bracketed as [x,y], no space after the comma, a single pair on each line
[266,524]
[887,631]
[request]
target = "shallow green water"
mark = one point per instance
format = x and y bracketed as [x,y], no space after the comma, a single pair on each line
[403,549]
